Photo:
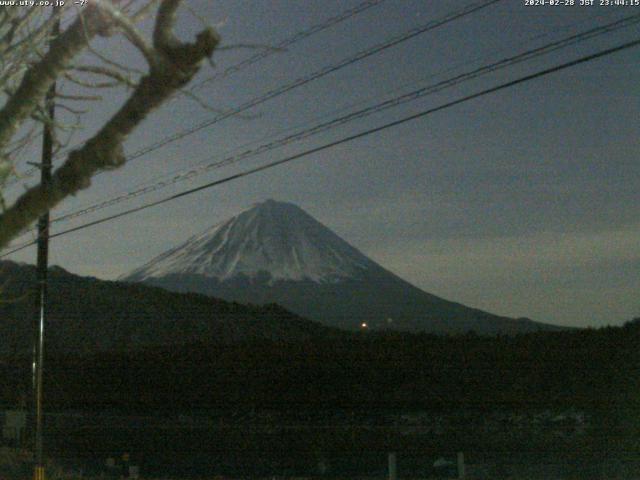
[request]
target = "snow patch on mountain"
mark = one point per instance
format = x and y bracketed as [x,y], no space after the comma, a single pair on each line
[276,238]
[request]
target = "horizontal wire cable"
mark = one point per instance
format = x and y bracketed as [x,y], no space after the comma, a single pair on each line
[276,92]
[379,107]
[287,42]
[350,138]
[141,187]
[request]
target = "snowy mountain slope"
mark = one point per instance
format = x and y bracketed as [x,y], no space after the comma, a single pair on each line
[276,252]
[276,238]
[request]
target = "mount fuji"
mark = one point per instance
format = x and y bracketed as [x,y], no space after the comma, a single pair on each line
[275,252]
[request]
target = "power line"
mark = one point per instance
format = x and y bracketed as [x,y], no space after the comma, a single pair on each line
[281,90]
[571,40]
[287,42]
[457,14]
[349,138]
[379,107]
[276,92]
[411,96]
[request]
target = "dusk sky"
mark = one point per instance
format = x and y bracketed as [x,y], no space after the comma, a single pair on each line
[524,202]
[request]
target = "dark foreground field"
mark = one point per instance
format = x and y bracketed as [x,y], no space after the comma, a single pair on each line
[264,444]
[544,405]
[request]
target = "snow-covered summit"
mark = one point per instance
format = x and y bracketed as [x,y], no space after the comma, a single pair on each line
[276,238]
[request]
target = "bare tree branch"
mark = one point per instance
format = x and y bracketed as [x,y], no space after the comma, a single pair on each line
[105,72]
[175,63]
[41,76]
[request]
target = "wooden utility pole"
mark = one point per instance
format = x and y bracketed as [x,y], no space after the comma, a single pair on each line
[42,270]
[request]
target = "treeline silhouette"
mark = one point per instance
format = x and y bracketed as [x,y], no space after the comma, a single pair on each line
[591,370]
[282,406]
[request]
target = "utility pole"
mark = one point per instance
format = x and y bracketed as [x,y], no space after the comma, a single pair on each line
[42,270]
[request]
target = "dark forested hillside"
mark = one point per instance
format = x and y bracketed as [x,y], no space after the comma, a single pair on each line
[259,404]
[133,347]
[88,315]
